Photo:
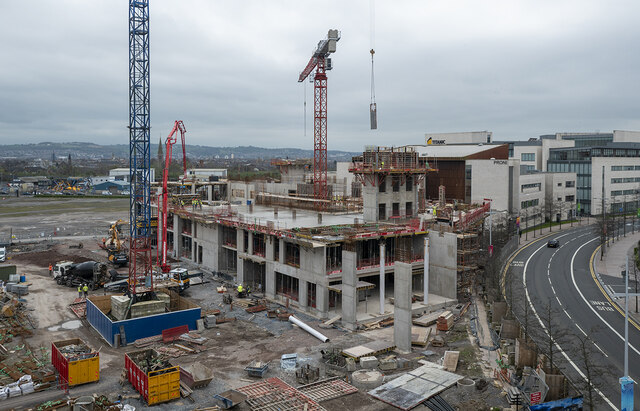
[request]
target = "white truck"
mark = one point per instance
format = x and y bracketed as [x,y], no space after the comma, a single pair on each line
[3,254]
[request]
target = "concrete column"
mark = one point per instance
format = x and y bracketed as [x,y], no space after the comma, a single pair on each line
[426,271]
[349,292]
[302,294]
[240,271]
[402,307]
[382,277]
[250,242]
[322,300]
[193,187]
[216,239]
[194,250]
[177,236]
[270,280]
[282,249]
[209,193]
[269,245]
[240,240]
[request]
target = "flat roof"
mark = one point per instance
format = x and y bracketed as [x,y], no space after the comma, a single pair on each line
[303,218]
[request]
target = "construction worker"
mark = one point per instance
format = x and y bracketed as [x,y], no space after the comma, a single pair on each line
[50,270]
[80,290]
[239,289]
[86,291]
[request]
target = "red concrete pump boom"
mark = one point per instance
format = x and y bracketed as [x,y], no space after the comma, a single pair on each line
[171,140]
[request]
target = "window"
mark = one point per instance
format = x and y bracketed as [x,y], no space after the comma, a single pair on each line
[531,187]
[409,209]
[292,254]
[623,168]
[569,198]
[382,211]
[616,193]
[383,185]
[334,258]
[276,249]
[245,236]
[287,286]
[528,156]
[396,209]
[530,168]
[570,184]
[395,184]
[559,184]
[409,183]
[529,203]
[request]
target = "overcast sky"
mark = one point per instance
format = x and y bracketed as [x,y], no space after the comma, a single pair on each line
[229,69]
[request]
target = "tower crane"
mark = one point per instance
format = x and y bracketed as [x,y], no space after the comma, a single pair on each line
[321,62]
[140,269]
[178,126]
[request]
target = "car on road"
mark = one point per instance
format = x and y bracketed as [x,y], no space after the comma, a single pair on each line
[553,244]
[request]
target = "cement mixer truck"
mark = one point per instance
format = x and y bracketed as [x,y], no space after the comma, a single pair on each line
[71,274]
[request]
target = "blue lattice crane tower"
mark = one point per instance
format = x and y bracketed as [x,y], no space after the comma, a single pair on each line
[140,268]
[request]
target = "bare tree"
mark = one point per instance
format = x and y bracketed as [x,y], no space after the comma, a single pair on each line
[594,373]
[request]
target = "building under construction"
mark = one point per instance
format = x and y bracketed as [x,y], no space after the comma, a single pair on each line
[275,240]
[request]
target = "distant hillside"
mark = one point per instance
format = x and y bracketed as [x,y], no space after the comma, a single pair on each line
[97,151]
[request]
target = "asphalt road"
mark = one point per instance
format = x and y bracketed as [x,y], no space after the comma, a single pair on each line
[560,281]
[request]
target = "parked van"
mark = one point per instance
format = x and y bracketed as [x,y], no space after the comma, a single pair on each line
[3,254]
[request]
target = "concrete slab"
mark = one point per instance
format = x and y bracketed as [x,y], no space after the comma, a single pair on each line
[411,389]
[369,362]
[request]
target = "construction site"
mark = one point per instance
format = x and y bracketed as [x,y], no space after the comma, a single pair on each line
[323,290]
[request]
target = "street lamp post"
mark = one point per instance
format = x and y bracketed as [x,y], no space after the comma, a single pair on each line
[626,382]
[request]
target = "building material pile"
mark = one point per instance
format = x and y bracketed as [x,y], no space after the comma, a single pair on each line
[445,321]
[76,351]
[149,361]
[273,392]
[175,342]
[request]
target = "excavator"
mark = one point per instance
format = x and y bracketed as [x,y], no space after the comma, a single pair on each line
[117,252]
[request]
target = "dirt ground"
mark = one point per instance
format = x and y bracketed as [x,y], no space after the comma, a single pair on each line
[230,346]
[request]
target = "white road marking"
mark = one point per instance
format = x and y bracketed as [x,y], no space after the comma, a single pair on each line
[564,354]
[573,278]
[604,353]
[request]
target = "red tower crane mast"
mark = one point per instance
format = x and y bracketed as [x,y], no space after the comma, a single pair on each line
[321,62]
[178,126]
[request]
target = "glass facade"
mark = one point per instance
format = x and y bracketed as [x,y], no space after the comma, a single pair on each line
[578,160]
[582,169]
[589,140]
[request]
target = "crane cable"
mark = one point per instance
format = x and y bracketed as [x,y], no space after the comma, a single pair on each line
[373,110]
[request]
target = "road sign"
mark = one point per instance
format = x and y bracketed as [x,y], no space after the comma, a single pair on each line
[535,397]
